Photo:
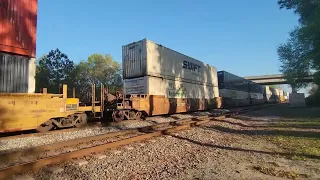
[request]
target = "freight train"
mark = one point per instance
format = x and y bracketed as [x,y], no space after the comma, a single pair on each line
[237,91]
[157,81]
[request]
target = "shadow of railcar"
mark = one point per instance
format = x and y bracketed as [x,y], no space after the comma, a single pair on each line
[242,149]
[268,132]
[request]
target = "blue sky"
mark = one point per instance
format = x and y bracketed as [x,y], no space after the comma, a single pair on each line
[237,36]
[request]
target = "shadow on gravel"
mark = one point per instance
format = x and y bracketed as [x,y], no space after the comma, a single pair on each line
[274,132]
[298,126]
[283,111]
[244,150]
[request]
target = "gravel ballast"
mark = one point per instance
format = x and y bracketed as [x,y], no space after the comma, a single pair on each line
[31,141]
[220,149]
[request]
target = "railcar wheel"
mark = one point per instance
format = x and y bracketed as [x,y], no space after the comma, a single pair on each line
[117,116]
[138,115]
[45,127]
[132,115]
[81,119]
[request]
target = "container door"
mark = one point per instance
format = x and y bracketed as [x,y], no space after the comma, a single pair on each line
[134,60]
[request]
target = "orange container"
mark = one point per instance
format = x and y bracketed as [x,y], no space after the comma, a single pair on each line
[18,24]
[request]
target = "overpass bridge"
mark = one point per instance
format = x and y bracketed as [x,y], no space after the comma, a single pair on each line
[275,79]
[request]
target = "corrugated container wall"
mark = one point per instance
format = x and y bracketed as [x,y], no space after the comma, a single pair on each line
[17,74]
[146,58]
[18,24]
[232,82]
[169,88]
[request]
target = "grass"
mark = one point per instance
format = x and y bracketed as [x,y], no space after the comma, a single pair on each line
[298,147]
[307,123]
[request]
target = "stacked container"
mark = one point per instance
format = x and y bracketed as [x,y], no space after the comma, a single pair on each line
[18,22]
[233,89]
[179,80]
[150,68]
[281,95]
[268,94]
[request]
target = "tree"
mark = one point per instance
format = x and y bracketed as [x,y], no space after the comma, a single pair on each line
[301,54]
[296,63]
[97,69]
[53,70]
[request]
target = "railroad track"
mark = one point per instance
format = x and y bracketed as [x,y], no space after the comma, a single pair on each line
[34,158]
[32,133]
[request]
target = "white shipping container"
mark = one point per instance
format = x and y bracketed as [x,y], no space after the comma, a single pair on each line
[267,90]
[146,58]
[281,92]
[277,91]
[234,94]
[169,88]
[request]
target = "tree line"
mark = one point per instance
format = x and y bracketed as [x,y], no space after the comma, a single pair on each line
[55,68]
[300,54]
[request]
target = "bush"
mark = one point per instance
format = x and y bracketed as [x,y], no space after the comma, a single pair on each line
[314,99]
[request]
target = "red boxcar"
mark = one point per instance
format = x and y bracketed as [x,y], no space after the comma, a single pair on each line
[18,24]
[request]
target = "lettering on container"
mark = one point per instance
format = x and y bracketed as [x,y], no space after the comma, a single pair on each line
[176,91]
[176,94]
[12,102]
[191,66]
[135,90]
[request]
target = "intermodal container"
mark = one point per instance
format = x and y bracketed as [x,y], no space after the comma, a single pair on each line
[146,58]
[268,93]
[18,24]
[17,74]
[169,88]
[232,82]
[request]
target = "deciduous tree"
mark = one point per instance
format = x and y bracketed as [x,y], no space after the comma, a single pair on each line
[53,70]
[97,69]
[300,55]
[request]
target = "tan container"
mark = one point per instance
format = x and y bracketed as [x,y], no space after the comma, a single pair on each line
[146,58]
[169,88]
